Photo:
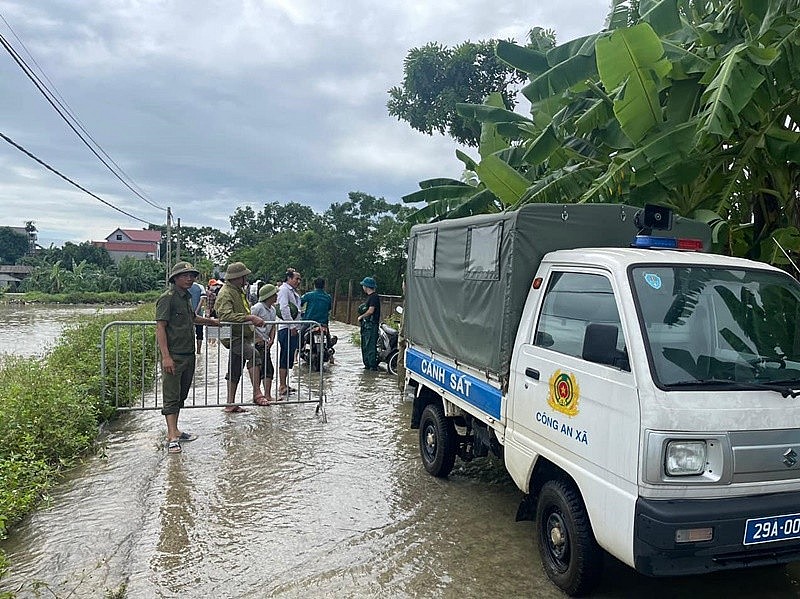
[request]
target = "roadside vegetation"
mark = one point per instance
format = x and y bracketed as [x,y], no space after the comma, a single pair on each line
[362,236]
[83,297]
[51,408]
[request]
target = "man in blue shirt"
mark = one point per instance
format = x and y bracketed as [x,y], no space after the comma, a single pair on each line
[317,303]
[318,307]
[197,293]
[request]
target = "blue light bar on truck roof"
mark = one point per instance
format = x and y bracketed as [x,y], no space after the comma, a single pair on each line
[666,243]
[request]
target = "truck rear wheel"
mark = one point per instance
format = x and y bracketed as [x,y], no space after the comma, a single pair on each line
[437,441]
[569,552]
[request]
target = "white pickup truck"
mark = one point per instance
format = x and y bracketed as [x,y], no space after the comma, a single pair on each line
[644,400]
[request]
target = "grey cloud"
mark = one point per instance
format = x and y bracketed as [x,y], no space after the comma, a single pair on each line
[209,106]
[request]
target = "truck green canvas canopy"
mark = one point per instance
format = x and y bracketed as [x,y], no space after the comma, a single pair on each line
[467,279]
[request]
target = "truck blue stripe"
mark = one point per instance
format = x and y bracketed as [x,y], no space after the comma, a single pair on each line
[465,386]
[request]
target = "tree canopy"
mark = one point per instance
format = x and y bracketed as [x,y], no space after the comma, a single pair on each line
[437,78]
[362,236]
[13,245]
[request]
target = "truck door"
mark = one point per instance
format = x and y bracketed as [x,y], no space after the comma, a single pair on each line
[574,396]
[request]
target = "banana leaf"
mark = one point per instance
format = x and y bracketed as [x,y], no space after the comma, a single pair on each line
[526,60]
[440,192]
[502,180]
[631,62]
[570,73]
[730,90]
[661,14]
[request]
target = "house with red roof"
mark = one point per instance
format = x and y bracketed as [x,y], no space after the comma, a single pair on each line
[141,244]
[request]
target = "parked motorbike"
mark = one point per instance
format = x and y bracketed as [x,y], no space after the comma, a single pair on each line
[387,347]
[316,346]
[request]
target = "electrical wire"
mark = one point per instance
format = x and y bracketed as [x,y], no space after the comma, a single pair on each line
[70,181]
[58,107]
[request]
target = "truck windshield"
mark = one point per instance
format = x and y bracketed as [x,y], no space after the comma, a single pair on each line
[708,327]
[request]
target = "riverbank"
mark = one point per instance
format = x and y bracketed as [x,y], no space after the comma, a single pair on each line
[105,297]
[50,410]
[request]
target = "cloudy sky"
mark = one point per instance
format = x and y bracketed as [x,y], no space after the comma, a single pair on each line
[210,105]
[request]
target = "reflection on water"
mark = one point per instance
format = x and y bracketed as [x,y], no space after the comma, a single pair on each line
[276,503]
[30,329]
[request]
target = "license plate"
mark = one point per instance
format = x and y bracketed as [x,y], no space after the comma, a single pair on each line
[317,339]
[771,529]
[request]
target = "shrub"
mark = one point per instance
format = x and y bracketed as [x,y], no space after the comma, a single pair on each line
[50,408]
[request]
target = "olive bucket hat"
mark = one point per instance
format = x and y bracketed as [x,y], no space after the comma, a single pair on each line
[267,291]
[180,268]
[236,270]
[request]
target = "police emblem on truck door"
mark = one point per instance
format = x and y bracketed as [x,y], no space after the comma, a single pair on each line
[563,393]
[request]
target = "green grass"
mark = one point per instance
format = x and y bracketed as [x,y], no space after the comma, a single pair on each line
[102,297]
[50,410]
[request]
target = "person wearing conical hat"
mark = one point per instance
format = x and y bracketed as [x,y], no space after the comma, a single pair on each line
[265,336]
[232,306]
[175,334]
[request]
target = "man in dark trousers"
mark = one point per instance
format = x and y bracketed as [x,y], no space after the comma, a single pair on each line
[370,319]
[175,334]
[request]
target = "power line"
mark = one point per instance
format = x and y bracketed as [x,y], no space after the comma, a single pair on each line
[71,182]
[52,100]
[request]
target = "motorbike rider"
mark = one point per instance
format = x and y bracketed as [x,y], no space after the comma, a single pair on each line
[318,307]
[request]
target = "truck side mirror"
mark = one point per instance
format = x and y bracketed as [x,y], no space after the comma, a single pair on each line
[600,344]
[544,339]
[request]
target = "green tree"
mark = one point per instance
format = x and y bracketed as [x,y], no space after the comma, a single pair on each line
[437,77]
[688,104]
[352,239]
[13,245]
[205,243]
[364,236]
[138,275]
[250,228]
[73,254]
[271,256]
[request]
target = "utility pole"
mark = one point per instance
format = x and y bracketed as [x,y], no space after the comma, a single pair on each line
[178,235]
[169,244]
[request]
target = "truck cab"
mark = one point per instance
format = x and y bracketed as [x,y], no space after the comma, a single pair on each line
[662,383]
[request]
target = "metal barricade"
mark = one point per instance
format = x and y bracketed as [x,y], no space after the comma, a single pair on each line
[131,377]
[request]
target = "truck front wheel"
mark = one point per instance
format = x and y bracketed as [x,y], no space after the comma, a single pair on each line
[437,441]
[570,554]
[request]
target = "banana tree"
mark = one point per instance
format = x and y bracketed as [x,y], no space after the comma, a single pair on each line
[684,103]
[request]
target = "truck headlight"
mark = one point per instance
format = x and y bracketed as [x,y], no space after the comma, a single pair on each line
[685,458]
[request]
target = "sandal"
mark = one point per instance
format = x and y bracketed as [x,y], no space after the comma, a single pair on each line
[174,447]
[235,409]
[186,437]
[261,400]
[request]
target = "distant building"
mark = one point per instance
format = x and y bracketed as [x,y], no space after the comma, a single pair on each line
[30,235]
[141,244]
[11,275]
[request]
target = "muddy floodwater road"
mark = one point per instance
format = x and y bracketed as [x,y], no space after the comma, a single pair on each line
[278,503]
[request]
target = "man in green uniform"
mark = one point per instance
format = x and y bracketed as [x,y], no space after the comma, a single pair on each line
[175,333]
[232,306]
[370,319]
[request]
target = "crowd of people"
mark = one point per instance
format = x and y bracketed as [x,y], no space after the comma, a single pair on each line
[259,314]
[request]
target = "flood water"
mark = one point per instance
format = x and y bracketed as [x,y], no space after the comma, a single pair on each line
[278,503]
